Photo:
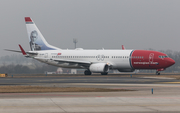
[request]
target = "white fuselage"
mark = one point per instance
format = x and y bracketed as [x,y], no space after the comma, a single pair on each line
[117,58]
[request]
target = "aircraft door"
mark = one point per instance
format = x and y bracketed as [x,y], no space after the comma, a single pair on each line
[46,55]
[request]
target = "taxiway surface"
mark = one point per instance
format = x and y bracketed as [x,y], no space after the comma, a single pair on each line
[83,79]
[165,97]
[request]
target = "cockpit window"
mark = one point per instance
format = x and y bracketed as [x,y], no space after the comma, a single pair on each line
[163,56]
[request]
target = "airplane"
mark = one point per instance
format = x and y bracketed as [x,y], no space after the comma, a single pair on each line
[93,61]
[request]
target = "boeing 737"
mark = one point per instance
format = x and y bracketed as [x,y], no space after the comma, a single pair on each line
[93,61]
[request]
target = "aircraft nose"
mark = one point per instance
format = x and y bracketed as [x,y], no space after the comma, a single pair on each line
[170,62]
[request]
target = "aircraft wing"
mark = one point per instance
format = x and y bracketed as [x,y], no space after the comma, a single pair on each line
[71,62]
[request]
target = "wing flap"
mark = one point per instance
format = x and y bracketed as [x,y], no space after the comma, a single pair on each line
[72,61]
[65,60]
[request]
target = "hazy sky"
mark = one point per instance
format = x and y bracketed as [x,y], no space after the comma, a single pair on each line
[137,24]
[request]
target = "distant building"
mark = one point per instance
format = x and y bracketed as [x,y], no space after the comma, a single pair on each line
[46,72]
[73,71]
[59,71]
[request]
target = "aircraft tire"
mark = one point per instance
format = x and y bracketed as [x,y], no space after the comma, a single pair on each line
[104,73]
[158,73]
[87,72]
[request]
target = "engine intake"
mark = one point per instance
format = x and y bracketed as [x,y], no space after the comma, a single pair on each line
[99,68]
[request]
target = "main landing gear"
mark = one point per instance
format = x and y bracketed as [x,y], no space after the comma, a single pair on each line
[87,72]
[158,73]
[105,73]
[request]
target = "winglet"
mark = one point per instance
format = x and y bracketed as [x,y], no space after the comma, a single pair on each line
[123,48]
[22,50]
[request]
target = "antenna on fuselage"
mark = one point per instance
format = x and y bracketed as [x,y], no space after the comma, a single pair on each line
[75,41]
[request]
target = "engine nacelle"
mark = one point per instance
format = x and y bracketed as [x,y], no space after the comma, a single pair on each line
[99,68]
[126,70]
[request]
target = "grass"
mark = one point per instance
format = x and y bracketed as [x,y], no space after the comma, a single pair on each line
[168,75]
[39,89]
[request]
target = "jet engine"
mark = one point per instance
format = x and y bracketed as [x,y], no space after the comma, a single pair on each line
[99,68]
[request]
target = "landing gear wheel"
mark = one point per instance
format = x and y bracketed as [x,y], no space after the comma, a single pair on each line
[105,73]
[158,73]
[87,72]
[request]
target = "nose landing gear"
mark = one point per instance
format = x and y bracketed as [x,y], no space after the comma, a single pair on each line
[158,73]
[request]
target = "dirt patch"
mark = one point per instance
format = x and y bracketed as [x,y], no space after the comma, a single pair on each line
[160,76]
[39,89]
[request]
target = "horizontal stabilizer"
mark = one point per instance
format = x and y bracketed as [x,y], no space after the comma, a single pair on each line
[12,50]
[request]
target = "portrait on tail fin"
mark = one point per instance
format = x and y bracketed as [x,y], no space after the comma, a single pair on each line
[33,38]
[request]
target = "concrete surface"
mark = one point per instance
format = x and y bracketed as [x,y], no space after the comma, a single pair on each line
[83,79]
[165,98]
